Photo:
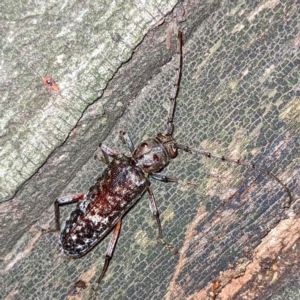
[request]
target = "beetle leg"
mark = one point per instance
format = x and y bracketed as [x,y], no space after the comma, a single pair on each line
[164,178]
[154,211]
[156,215]
[105,151]
[103,157]
[108,150]
[69,199]
[110,249]
[124,137]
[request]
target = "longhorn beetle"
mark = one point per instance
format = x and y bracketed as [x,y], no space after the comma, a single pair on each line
[122,184]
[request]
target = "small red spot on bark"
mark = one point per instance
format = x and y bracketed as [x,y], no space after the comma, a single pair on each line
[50,84]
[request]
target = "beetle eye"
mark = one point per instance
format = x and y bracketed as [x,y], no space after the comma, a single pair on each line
[144,145]
[155,158]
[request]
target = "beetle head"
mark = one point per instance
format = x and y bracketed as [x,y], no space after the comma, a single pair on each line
[152,155]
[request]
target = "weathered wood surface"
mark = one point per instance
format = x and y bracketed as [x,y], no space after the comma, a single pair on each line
[239,96]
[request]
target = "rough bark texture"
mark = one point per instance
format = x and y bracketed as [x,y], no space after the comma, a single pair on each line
[47,135]
[239,96]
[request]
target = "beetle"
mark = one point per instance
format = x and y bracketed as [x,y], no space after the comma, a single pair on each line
[122,184]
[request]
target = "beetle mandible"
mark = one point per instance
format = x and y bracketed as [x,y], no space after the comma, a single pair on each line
[123,183]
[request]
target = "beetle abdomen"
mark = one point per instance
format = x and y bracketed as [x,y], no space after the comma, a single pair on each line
[113,194]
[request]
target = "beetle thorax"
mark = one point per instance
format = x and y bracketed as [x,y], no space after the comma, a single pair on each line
[153,155]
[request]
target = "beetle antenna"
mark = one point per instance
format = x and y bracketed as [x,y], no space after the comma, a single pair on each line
[238,162]
[170,125]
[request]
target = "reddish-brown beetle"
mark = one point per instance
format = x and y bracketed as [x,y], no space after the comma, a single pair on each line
[122,184]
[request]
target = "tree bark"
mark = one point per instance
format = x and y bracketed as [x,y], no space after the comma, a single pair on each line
[238,97]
